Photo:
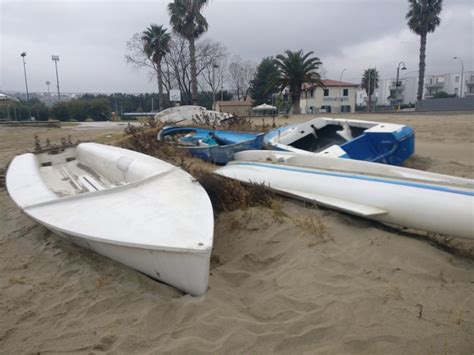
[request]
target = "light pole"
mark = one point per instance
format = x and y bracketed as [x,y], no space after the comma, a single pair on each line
[396,83]
[23,55]
[340,90]
[462,76]
[214,66]
[55,59]
[49,93]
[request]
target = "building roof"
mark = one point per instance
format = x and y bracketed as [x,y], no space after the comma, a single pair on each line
[330,83]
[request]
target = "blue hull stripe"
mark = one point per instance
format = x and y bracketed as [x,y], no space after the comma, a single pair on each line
[359,177]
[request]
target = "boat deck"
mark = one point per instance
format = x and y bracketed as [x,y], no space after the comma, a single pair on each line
[72,178]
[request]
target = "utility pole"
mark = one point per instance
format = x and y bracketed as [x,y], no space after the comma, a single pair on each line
[340,93]
[368,92]
[23,55]
[214,66]
[55,58]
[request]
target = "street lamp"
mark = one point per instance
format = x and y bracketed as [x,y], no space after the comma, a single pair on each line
[397,84]
[49,93]
[55,59]
[214,66]
[340,90]
[23,55]
[462,76]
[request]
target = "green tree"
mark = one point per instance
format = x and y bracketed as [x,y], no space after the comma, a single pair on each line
[423,17]
[187,21]
[370,82]
[60,111]
[265,82]
[295,69]
[156,44]
[442,95]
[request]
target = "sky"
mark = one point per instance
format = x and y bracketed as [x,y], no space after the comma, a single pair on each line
[90,37]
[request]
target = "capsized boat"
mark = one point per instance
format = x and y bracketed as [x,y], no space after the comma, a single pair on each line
[130,207]
[216,146]
[353,139]
[389,194]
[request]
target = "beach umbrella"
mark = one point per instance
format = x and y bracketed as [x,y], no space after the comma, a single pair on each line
[264,107]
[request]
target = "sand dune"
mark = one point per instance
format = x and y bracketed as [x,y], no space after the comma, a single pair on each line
[291,280]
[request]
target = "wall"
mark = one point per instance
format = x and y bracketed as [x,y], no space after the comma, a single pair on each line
[449,104]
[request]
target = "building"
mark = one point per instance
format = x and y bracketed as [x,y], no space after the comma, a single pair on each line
[389,94]
[238,108]
[450,84]
[336,96]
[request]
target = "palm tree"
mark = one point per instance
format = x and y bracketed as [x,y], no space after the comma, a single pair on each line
[423,17]
[370,82]
[295,69]
[187,21]
[156,41]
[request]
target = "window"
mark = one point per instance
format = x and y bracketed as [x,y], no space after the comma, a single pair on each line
[345,92]
[312,93]
[326,92]
[456,90]
[456,79]
[325,108]
[345,108]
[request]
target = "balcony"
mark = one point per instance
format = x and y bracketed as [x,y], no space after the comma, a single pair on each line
[434,85]
[469,82]
[400,86]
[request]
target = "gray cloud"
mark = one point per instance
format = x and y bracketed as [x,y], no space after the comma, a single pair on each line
[90,37]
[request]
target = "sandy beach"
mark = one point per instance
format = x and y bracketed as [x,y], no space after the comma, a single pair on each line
[291,280]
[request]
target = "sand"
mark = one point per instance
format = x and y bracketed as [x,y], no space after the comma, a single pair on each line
[290,280]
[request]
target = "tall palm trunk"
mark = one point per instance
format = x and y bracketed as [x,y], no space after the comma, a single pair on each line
[295,102]
[194,86]
[422,65]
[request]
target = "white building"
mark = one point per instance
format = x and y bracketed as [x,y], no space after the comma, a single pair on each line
[336,96]
[449,83]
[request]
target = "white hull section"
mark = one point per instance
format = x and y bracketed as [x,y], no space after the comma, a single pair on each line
[393,195]
[135,209]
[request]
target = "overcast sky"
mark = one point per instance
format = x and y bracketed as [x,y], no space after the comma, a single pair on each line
[90,38]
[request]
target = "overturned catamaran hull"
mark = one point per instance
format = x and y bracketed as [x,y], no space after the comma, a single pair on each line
[352,139]
[393,195]
[130,207]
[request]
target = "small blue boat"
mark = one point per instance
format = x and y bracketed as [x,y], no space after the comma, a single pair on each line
[351,139]
[216,146]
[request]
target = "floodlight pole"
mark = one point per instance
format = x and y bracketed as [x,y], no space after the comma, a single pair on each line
[23,55]
[55,58]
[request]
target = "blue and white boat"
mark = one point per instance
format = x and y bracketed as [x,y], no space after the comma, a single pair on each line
[352,139]
[216,146]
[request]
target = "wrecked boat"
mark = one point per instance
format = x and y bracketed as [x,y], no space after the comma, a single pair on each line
[353,139]
[389,194]
[215,146]
[127,206]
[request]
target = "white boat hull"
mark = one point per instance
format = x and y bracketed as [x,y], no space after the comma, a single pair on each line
[129,207]
[423,201]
